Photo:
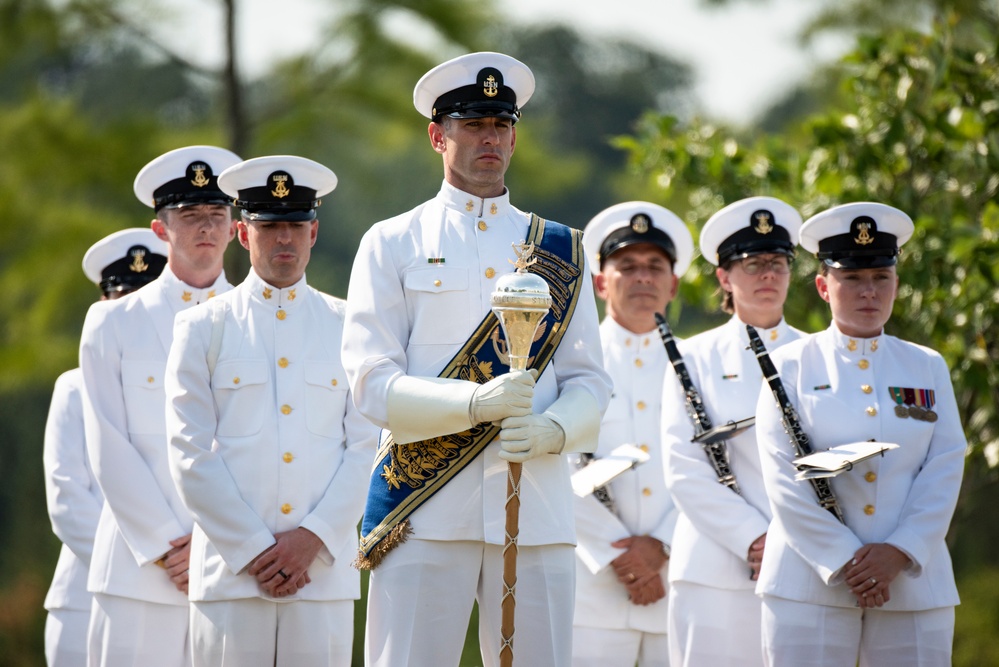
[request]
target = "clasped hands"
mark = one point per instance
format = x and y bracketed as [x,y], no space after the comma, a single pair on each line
[508,400]
[282,569]
[639,568]
[871,570]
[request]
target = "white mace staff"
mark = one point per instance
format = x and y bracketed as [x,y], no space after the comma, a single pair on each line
[520,301]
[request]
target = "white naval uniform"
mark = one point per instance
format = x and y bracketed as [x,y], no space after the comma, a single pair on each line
[840,388]
[123,352]
[714,611]
[643,506]
[408,316]
[74,503]
[268,443]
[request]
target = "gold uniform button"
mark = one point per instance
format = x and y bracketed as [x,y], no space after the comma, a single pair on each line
[868,510]
[282,362]
[235,380]
[871,410]
[150,379]
[288,457]
[286,509]
[286,409]
[437,283]
[281,315]
[646,491]
[490,272]
[864,364]
[866,388]
[644,448]
[333,382]
[638,363]
[640,405]
[870,476]
[483,226]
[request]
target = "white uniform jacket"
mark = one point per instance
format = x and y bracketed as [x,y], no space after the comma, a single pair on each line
[716,525]
[74,499]
[123,352]
[841,390]
[636,363]
[269,442]
[408,316]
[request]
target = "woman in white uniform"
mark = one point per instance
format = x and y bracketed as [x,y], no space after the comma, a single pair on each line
[720,534]
[877,588]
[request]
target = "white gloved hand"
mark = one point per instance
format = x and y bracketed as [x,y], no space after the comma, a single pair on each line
[524,438]
[509,395]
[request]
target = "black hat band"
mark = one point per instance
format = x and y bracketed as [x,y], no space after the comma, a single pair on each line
[626,236]
[488,96]
[749,241]
[138,267]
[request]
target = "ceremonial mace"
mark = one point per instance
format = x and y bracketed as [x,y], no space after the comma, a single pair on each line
[520,301]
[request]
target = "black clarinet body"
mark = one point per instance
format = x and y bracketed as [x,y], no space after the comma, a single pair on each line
[717,452]
[792,424]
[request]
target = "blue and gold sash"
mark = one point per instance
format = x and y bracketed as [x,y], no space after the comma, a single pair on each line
[406,476]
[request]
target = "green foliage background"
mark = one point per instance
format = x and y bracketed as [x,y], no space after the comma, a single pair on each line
[908,118]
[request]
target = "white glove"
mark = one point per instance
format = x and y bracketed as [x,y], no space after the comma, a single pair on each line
[524,438]
[509,395]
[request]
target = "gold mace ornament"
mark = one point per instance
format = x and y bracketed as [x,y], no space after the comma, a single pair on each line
[520,301]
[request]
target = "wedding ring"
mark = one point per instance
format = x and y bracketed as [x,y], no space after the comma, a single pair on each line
[631,576]
[874,581]
[282,573]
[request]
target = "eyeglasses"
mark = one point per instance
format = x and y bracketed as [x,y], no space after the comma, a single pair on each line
[754,265]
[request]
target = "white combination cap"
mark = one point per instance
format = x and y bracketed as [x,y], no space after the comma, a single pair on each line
[634,222]
[858,235]
[473,86]
[750,227]
[125,260]
[278,187]
[184,177]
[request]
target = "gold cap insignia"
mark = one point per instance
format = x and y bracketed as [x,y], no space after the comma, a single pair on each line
[864,236]
[138,264]
[281,190]
[199,180]
[640,223]
[490,87]
[763,224]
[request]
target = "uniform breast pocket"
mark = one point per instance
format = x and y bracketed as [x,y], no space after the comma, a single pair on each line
[439,298]
[325,398]
[242,394]
[142,385]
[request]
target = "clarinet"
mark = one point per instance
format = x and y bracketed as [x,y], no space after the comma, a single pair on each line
[792,424]
[717,452]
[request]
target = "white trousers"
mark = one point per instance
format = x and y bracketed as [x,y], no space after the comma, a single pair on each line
[800,634]
[66,637]
[125,632]
[714,627]
[603,647]
[420,598]
[254,632]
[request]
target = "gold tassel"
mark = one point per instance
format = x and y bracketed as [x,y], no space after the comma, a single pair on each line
[396,536]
